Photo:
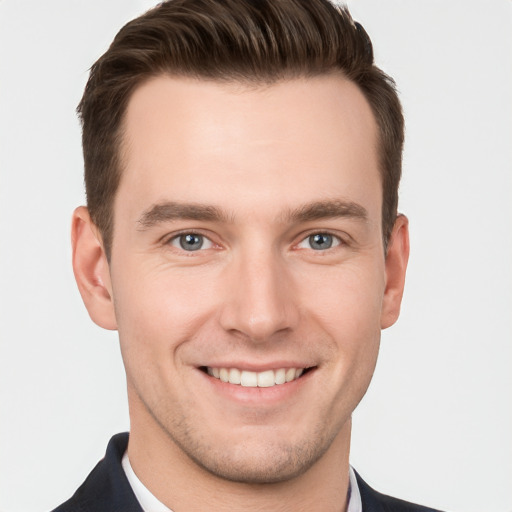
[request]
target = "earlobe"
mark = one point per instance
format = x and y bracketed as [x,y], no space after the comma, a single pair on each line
[90,267]
[396,266]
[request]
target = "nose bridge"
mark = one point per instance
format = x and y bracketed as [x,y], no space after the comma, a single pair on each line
[259,303]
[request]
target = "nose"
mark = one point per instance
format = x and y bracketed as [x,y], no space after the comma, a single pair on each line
[259,301]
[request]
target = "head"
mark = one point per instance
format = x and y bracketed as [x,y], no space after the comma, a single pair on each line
[234,41]
[242,165]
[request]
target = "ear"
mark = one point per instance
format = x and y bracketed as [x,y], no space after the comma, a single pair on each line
[91,270]
[395,267]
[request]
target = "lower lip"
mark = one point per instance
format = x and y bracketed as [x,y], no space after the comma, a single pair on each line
[255,395]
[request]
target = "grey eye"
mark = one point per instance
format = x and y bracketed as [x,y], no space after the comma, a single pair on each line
[191,242]
[321,241]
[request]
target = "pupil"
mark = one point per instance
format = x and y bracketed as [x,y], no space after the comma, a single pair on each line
[191,242]
[320,241]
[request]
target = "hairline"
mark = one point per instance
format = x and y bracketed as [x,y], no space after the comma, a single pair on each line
[247,83]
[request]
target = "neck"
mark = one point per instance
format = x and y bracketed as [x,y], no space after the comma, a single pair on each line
[182,484]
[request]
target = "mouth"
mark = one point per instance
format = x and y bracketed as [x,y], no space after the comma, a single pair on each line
[250,379]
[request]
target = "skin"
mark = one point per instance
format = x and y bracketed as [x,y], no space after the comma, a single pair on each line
[269,167]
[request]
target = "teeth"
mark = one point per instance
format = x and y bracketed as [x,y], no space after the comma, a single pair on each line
[290,374]
[281,376]
[249,379]
[224,375]
[265,379]
[235,376]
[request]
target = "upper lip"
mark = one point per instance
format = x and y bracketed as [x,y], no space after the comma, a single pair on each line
[258,367]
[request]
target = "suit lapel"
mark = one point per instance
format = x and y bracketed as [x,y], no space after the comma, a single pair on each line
[106,489]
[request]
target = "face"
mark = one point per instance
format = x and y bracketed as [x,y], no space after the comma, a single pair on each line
[248,278]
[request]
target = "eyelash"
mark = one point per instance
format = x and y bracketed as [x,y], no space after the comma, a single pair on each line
[175,238]
[337,241]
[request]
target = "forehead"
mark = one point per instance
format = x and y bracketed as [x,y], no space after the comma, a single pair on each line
[237,146]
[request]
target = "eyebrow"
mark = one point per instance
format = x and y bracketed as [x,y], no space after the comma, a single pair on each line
[169,211]
[327,209]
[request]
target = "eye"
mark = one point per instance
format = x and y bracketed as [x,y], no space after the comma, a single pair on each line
[319,242]
[191,242]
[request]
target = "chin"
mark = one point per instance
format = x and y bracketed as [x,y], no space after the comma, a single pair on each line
[251,462]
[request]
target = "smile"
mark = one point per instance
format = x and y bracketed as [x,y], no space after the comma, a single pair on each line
[265,379]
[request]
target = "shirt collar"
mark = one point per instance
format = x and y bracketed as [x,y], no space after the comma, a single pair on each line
[146,499]
[354,503]
[150,503]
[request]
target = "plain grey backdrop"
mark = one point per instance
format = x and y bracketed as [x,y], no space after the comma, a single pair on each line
[436,424]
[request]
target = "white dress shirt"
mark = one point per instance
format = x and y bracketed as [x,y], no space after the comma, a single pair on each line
[150,503]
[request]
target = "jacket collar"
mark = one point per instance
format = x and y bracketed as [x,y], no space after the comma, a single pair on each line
[107,489]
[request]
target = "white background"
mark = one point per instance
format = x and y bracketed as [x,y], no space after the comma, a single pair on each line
[436,425]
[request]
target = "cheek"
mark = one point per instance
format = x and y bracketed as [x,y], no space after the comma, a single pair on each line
[156,318]
[346,299]
[349,310]
[160,310]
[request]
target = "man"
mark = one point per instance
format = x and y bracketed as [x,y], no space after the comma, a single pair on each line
[242,162]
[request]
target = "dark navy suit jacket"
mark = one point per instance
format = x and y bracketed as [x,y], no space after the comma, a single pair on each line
[106,489]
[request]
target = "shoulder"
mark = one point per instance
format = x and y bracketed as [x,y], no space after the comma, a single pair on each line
[374,501]
[106,489]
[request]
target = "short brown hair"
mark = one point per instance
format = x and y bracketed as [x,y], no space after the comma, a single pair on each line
[247,41]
